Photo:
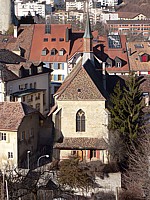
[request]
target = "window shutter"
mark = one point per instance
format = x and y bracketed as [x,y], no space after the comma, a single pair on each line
[55,65]
[97,154]
[62,66]
[88,154]
[0,136]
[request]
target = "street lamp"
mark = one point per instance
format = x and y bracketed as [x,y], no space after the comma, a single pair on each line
[38,161]
[28,160]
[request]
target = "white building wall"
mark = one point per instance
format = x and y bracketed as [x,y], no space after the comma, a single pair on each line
[34,8]
[42,82]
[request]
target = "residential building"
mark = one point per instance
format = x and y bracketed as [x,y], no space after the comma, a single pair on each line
[29,8]
[5,76]
[81,5]
[132,16]
[139,57]
[53,49]
[133,27]
[31,87]
[19,134]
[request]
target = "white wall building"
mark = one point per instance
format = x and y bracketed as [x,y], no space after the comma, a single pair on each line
[23,9]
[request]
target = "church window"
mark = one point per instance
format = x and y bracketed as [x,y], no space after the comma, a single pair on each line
[80,121]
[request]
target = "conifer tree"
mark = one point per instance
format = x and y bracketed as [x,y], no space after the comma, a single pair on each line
[127,109]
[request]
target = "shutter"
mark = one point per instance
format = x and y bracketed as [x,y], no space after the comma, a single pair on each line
[88,154]
[0,136]
[62,66]
[55,65]
[98,154]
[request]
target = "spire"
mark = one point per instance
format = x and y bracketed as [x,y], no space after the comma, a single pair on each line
[88,33]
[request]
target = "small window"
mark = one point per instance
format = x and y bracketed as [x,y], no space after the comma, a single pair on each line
[10,155]
[22,135]
[53,52]
[26,86]
[118,64]
[37,106]
[53,39]
[3,136]
[30,85]
[34,85]
[47,29]
[45,39]
[61,39]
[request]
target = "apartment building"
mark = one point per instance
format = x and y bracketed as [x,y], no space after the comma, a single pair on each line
[29,8]
[82,5]
[133,27]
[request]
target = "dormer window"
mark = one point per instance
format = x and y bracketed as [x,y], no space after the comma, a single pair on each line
[109,62]
[118,64]
[61,52]
[144,57]
[47,29]
[53,52]
[44,52]
[39,69]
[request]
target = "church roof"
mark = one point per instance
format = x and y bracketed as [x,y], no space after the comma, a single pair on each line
[83,83]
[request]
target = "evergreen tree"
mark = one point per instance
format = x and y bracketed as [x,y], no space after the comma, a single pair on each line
[127,109]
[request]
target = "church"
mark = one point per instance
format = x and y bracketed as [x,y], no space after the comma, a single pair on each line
[80,113]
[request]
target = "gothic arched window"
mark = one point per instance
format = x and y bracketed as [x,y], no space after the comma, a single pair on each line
[80,121]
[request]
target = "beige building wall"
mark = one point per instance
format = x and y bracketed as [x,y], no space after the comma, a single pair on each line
[8,145]
[30,126]
[18,146]
[96,124]
[96,118]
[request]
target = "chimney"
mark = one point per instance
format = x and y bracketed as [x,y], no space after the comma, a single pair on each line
[129,51]
[104,74]
[67,34]
[15,31]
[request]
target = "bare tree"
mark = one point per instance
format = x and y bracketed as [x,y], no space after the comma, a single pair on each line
[137,177]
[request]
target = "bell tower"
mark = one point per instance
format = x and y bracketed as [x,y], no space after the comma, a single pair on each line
[87,42]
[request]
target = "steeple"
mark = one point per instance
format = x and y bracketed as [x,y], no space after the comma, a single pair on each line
[87,42]
[88,33]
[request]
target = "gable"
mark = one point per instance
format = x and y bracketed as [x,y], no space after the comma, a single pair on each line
[81,88]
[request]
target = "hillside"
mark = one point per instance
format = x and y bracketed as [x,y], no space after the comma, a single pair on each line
[141,6]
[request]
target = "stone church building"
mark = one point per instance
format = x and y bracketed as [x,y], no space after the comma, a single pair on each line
[80,115]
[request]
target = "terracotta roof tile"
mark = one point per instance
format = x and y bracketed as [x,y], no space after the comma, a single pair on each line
[23,41]
[57,31]
[112,53]
[73,88]
[135,63]
[82,143]
[12,114]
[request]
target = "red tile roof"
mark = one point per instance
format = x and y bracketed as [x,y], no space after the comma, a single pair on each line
[112,53]
[82,143]
[56,31]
